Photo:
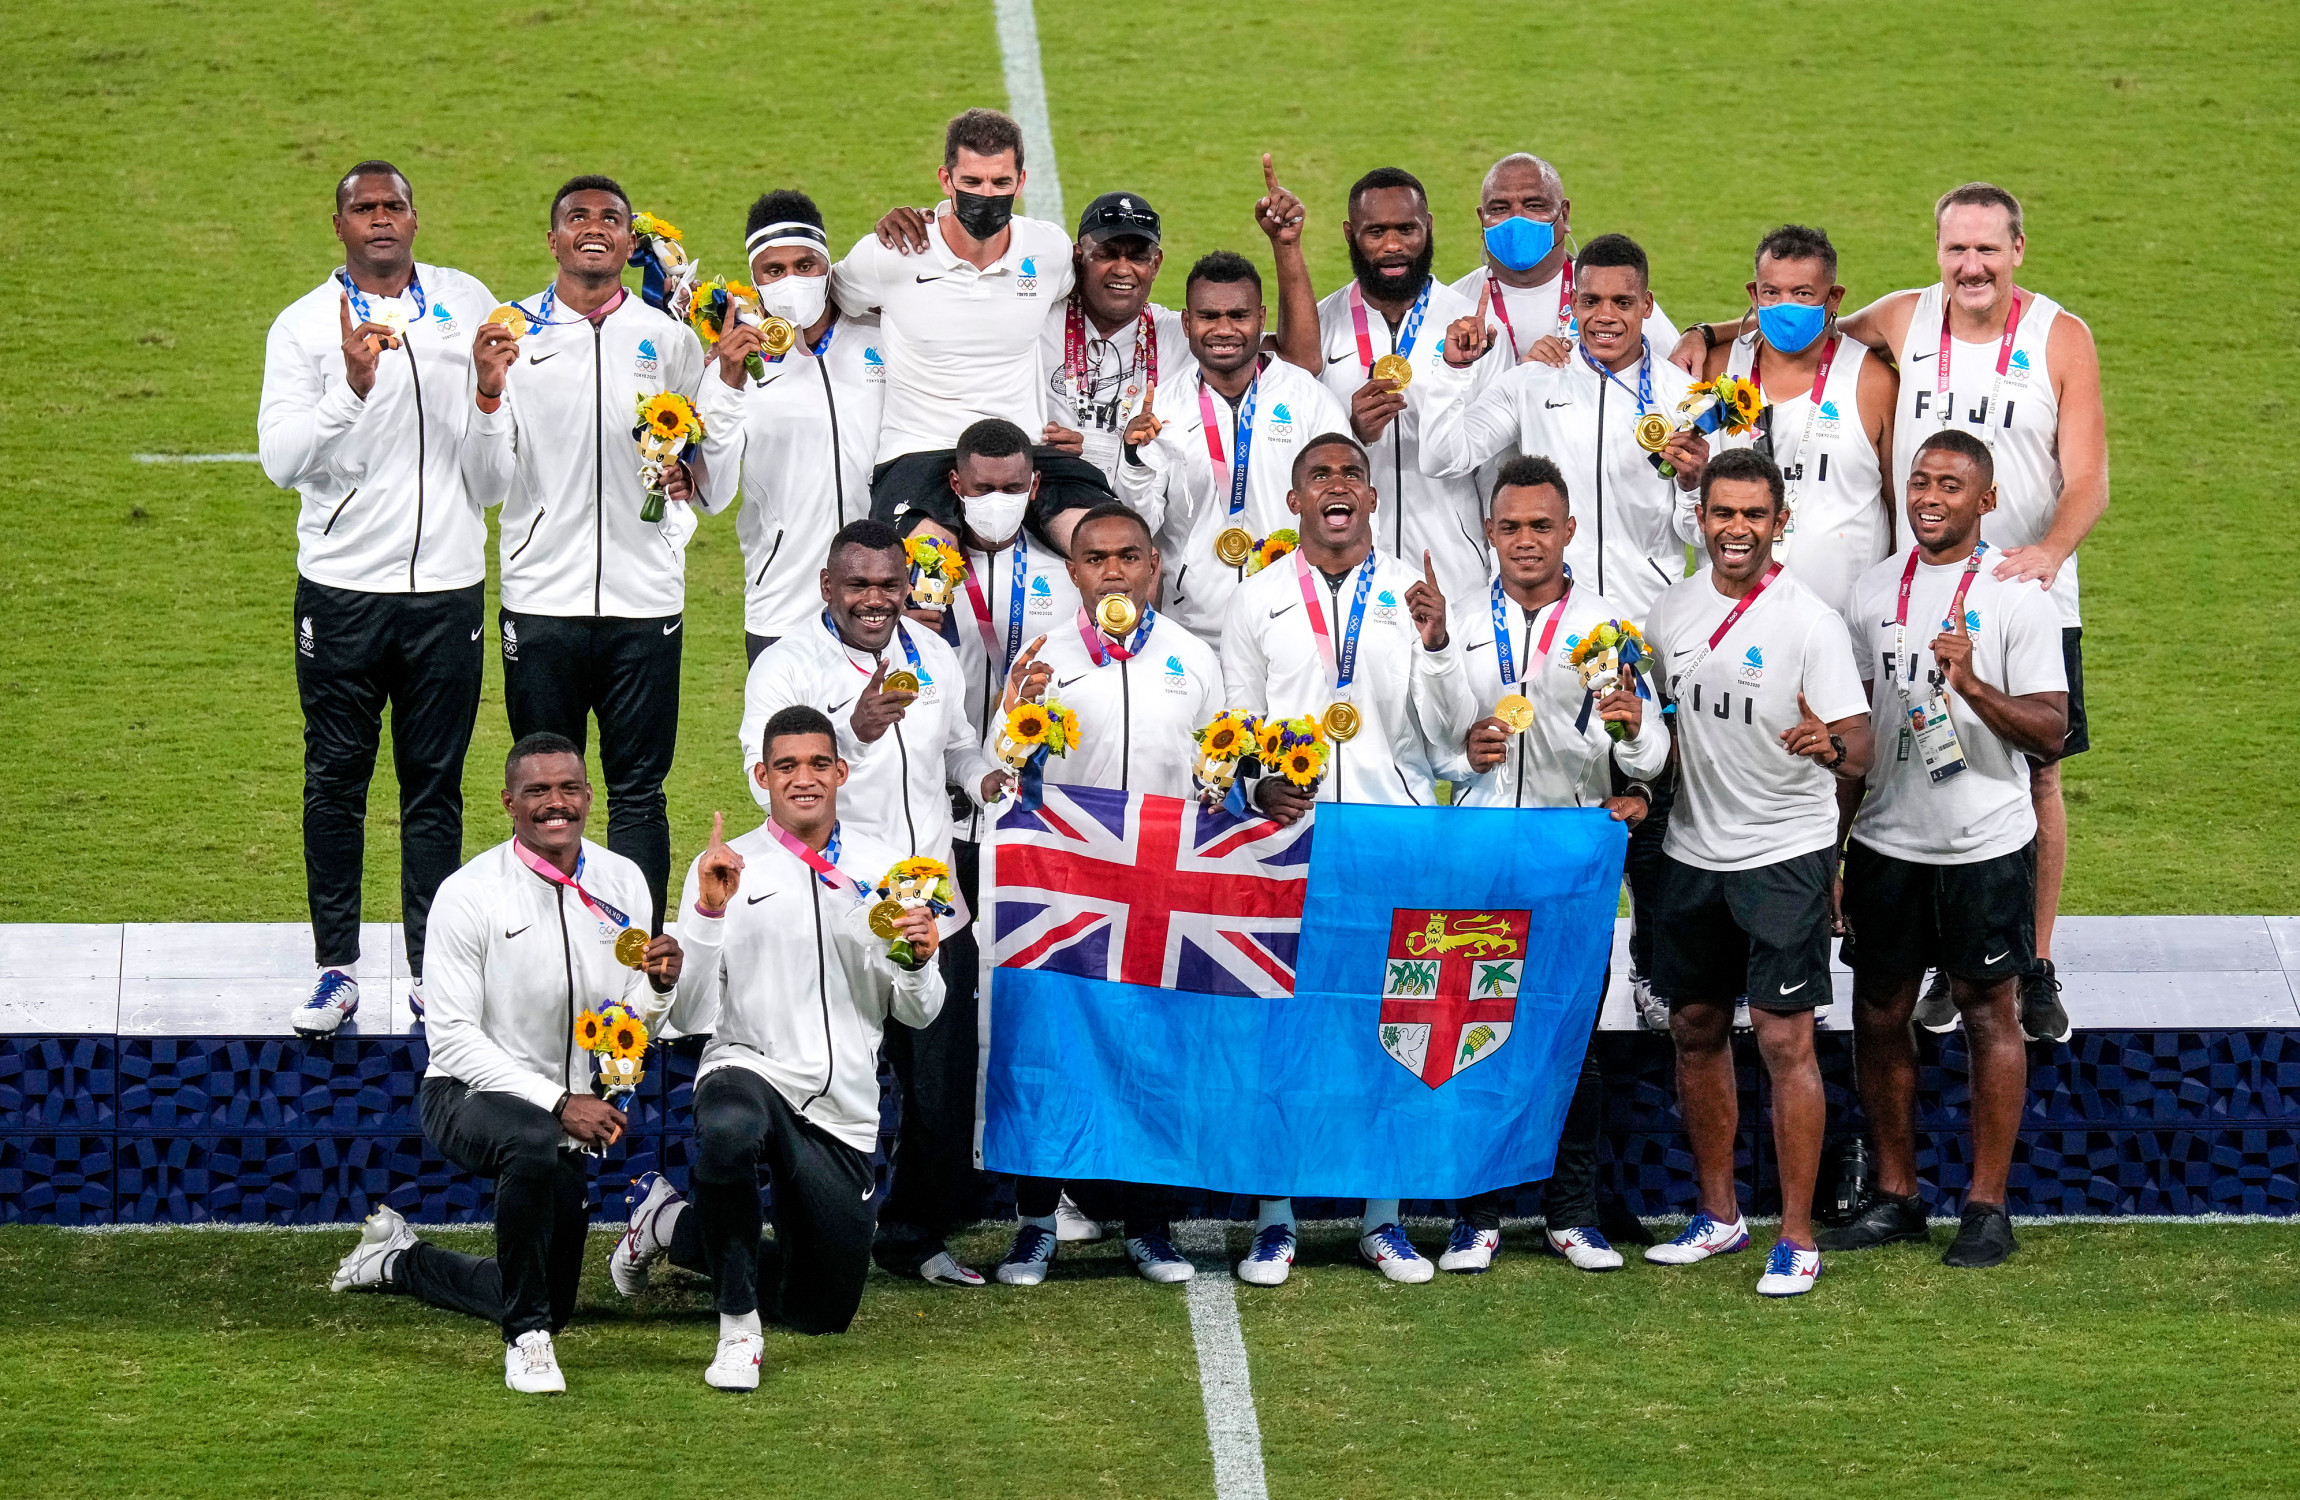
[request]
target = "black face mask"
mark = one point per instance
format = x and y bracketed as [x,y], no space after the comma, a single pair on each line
[982,215]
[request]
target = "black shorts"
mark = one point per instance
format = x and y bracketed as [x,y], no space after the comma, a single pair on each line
[1764,933]
[921,482]
[2079,738]
[1976,922]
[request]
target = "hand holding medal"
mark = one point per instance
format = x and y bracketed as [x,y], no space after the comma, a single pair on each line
[1729,402]
[495,349]
[910,897]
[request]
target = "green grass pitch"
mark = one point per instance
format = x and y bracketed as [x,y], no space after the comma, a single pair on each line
[164,177]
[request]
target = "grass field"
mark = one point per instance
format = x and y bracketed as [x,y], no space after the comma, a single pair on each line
[217,1364]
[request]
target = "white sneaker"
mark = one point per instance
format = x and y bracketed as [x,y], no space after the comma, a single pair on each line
[1157,1259]
[1271,1260]
[1470,1250]
[384,1235]
[531,1366]
[642,1244]
[1027,1261]
[1652,1010]
[1790,1271]
[1585,1249]
[1699,1240]
[1741,1021]
[334,1000]
[736,1366]
[944,1270]
[1072,1226]
[1388,1251]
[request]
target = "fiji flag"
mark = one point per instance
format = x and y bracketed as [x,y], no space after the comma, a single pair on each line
[1378,1001]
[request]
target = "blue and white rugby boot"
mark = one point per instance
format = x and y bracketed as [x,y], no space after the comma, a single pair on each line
[647,1239]
[1156,1258]
[1271,1260]
[1469,1249]
[1790,1271]
[1027,1260]
[1699,1240]
[334,1000]
[1585,1249]
[1388,1251]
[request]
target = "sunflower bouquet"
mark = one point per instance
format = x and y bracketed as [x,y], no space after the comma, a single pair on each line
[1270,548]
[1295,749]
[936,570]
[712,302]
[666,275]
[668,431]
[1730,402]
[1226,739]
[1033,727]
[912,883]
[617,1040]
[1599,657]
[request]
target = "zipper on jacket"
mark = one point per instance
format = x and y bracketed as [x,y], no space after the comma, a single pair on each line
[599,470]
[838,471]
[771,553]
[529,539]
[1600,467]
[339,505]
[567,951]
[421,450]
[1334,613]
[1125,722]
[908,821]
[823,993]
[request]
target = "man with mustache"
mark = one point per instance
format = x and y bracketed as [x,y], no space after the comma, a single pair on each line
[1965,671]
[902,737]
[1764,703]
[523,941]
[1341,632]
[593,595]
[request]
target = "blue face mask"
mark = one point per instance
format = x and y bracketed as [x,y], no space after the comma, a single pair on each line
[1790,326]
[1520,243]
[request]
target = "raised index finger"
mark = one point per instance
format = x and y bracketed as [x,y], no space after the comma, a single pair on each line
[1269,173]
[1484,299]
[718,828]
[1429,573]
[343,312]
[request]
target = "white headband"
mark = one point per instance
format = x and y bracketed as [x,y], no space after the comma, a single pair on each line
[788,232]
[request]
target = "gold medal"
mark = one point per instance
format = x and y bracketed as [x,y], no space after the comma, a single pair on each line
[1116,615]
[1396,369]
[510,317]
[1515,710]
[883,916]
[1232,544]
[1653,432]
[778,335]
[1342,722]
[901,680]
[631,948]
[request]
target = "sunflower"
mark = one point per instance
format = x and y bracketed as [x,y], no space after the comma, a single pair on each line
[626,1038]
[920,869]
[669,416]
[1303,764]
[1064,735]
[590,1031]
[704,313]
[1028,724]
[1271,738]
[648,224]
[935,557]
[1227,737]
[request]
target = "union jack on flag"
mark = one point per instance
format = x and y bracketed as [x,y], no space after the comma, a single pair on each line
[1148,890]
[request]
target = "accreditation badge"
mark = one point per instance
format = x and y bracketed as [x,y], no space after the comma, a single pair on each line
[1936,736]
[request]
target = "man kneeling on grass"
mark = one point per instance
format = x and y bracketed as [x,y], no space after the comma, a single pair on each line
[795,990]
[521,940]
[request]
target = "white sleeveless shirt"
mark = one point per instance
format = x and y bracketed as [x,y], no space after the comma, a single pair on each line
[2022,423]
[1838,525]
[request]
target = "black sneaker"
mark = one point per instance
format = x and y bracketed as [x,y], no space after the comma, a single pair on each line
[2042,1017]
[1984,1239]
[1884,1219]
[1936,1012]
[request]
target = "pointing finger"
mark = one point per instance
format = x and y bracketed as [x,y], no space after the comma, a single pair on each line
[1429,572]
[1269,173]
[1805,708]
[1484,300]
[718,829]
[343,312]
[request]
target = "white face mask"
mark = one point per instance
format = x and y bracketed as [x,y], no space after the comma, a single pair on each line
[996,516]
[801,299]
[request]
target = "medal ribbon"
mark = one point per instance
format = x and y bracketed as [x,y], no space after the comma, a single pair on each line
[1501,634]
[1343,663]
[1242,439]
[909,651]
[1996,382]
[1565,300]
[550,300]
[1812,415]
[1901,614]
[1644,391]
[550,872]
[1101,649]
[1403,345]
[1013,604]
[825,865]
[414,290]
[1732,618]
[1074,346]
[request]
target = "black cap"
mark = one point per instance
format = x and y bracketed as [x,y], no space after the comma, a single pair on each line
[1114,214]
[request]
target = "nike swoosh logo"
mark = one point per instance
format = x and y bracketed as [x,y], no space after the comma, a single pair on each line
[1996,957]
[1549,405]
[510,935]
[475,633]
[673,627]
[1919,358]
[536,359]
[1479,645]
[1791,989]
[1277,612]
[1065,682]
[1688,651]
[923,280]
[840,708]
[755,900]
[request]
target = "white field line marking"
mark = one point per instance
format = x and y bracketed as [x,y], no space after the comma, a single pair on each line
[199,458]
[1232,1430]
[1026,96]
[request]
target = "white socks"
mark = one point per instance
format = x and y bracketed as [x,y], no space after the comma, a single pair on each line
[733,1324]
[1274,1211]
[1379,1211]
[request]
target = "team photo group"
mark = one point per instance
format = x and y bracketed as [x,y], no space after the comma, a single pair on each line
[1789,604]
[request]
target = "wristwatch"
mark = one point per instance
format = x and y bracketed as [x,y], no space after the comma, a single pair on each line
[1708,335]
[1836,744]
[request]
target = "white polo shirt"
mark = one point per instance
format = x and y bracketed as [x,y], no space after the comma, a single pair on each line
[961,343]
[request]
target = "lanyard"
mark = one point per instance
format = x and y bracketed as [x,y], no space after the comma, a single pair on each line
[550,872]
[1242,437]
[909,651]
[1501,649]
[1996,381]
[1812,415]
[1901,614]
[1343,663]
[1075,350]
[550,299]
[1403,345]
[1021,576]
[1644,391]
[1732,618]
[359,298]
[1101,649]
[825,864]
[816,349]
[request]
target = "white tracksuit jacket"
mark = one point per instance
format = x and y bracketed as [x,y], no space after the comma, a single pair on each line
[1135,718]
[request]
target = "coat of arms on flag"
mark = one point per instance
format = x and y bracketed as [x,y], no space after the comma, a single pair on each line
[1449,990]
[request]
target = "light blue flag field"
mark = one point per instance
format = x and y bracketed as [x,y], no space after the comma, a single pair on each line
[1377,1002]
